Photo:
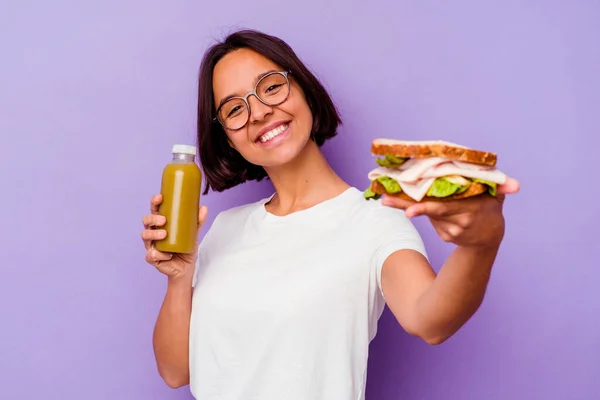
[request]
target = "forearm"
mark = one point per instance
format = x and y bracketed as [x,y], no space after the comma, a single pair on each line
[456,293]
[171,333]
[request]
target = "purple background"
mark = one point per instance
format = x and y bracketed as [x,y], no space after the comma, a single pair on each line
[93,95]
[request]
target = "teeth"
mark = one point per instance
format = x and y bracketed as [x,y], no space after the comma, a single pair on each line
[272,133]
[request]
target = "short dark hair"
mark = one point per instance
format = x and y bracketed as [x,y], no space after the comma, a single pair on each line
[223,166]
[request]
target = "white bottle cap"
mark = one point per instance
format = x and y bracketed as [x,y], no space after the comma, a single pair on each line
[184,148]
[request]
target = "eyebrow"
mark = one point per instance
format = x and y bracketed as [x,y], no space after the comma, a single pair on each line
[256,79]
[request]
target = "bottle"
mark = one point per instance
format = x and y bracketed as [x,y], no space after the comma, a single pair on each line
[180,189]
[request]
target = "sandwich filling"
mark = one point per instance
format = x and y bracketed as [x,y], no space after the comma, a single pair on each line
[431,176]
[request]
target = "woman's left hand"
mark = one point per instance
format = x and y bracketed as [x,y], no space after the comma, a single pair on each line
[471,222]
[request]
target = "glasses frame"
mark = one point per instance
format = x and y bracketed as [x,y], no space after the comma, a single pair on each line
[244,98]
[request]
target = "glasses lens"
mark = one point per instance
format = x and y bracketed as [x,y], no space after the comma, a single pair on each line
[273,89]
[233,113]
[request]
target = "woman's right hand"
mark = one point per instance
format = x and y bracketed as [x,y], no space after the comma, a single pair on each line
[174,265]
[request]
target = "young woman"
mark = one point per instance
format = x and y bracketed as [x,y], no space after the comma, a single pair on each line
[282,297]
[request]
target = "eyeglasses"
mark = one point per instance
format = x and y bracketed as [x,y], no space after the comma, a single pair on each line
[271,90]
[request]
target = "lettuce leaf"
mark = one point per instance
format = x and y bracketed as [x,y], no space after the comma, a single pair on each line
[492,187]
[390,161]
[444,188]
[391,185]
[369,194]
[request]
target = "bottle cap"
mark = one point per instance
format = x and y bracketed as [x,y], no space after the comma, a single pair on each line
[184,148]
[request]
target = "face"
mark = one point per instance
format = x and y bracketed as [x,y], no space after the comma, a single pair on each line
[273,135]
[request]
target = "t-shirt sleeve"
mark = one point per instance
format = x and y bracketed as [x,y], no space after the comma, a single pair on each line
[393,231]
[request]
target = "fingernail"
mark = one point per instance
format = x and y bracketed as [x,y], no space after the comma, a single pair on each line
[386,201]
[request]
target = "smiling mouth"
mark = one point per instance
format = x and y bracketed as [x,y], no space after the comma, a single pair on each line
[273,133]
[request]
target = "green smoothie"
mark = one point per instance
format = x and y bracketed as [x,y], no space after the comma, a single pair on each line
[180,189]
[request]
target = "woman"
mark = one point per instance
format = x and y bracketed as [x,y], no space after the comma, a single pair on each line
[285,293]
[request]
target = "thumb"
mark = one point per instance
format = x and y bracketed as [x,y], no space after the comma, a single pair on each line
[511,186]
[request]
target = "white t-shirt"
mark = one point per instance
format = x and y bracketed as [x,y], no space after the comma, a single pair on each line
[284,307]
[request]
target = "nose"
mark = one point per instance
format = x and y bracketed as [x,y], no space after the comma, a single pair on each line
[258,109]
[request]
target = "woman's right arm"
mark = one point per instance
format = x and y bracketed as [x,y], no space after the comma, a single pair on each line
[171,332]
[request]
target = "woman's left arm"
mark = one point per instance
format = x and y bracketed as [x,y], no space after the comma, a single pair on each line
[435,307]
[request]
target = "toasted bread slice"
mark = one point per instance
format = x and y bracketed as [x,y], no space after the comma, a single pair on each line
[433,148]
[475,189]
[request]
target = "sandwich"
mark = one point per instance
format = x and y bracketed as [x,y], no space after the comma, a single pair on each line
[432,171]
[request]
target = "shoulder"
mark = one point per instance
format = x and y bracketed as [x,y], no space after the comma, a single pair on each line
[376,209]
[225,227]
[235,214]
[377,215]
[233,218]
[386,227]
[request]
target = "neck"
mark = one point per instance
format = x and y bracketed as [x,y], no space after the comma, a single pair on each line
[304,182]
